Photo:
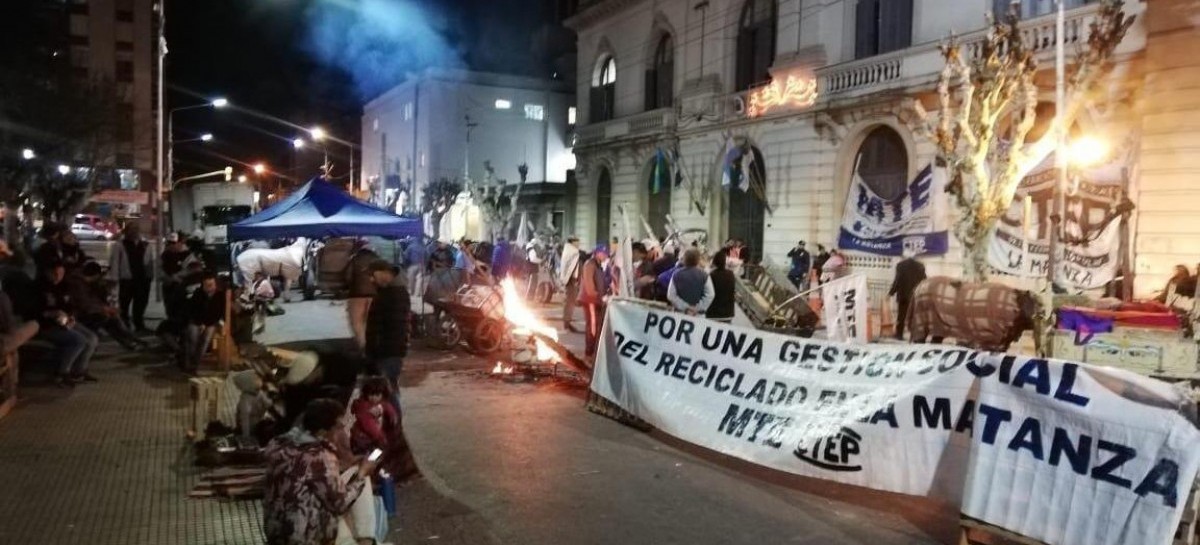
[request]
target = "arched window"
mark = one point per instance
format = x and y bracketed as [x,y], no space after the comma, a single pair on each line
[604,90]
[756,43]
[660,77]
[882,163]
[882,26]
[603,205]
[747,211]
[658,190]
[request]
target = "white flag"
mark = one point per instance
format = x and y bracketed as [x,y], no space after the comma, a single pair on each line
[846,305]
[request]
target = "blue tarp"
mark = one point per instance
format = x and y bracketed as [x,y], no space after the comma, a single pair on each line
[320,210]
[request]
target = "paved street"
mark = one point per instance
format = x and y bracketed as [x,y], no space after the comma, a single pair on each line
[503,463]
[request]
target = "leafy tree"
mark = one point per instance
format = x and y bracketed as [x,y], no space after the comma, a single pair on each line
[987,97]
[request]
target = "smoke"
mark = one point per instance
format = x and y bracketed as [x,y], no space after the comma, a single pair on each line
[379,43]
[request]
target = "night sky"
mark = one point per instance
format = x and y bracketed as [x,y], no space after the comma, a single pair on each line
[316,62]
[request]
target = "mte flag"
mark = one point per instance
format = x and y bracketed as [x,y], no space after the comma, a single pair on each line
[915,221]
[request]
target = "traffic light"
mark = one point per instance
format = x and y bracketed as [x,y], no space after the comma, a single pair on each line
[228,174]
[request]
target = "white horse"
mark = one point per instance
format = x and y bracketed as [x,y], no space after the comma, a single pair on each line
[287,262]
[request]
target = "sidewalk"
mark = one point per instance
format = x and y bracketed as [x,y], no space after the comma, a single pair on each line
[108,463]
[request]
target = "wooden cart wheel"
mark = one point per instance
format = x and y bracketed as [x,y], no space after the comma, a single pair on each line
[489,334]
[448,331]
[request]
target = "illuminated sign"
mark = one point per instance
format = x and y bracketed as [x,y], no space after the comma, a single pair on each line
[795,91]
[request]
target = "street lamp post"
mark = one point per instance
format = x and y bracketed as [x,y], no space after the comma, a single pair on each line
[318,134]
[215,103]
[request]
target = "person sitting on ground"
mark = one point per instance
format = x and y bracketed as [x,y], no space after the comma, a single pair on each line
[253,404]
[55,310]
[305,495]
[691,290]
[206,314]
[94,309]
[724,287]
[378,425]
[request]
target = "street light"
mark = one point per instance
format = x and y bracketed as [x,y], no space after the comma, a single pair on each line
[219,102]
[298,143]
[317,133]
[206,137]
[260,168]
[27,154]
[242,178]
[64,170]
[1087,151]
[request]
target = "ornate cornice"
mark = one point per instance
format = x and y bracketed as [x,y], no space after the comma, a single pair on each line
[596,11]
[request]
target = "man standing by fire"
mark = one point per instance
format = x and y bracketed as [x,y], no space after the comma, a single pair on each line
[593,288]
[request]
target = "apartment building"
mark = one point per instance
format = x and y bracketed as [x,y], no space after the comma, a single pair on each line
[813,98]
[116,41]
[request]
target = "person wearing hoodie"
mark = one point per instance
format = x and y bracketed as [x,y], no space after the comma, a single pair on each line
[568,276]
[593,290]
[253,404]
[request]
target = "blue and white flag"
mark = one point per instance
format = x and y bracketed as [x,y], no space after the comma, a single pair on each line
[730,173]
[916,221]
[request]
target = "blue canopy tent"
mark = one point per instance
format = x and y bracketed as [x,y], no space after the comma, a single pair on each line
[320,210]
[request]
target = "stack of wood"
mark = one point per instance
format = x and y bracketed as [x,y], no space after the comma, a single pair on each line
[241,483]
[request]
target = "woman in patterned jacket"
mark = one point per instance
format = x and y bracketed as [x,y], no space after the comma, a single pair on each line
[305,495]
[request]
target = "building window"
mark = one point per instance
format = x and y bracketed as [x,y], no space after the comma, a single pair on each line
[660,78]
[502,104]
[604,91]
[535,112]
[124,46]
[1028,9]
[756,43]
[124,70]
[408,111]
[882,26]
[125,160]
[79,40]
[882,164]
[658,190]
[571,113]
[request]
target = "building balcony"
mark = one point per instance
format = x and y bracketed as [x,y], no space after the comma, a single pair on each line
[646,124]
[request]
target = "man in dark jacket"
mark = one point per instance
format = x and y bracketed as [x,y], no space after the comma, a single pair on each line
[909,274]
[206,313]
[54,308]
[593,289]
[362,289]
[724,291]
[92,294]
[387,322]
[691,290]
[801,266]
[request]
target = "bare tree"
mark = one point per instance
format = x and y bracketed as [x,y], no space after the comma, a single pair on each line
[498,202]
[436,199]
[988,97]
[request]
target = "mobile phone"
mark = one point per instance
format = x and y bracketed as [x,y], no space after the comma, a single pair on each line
[375,454]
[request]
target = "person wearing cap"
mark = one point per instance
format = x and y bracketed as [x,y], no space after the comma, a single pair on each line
[568,276]
[55,309]
[593,289]
[801,265]
[206,313]
[172,259]
[387,322]
[691,290]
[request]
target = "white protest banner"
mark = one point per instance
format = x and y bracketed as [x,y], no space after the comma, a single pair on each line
[1061,452]
[1089,212]
[846,308]
[915,221]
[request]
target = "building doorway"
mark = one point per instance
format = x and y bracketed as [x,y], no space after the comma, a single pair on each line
[746,212]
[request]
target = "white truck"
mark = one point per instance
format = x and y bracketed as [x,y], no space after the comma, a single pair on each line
[210,207]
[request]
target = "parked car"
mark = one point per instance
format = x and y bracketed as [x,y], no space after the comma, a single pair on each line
[83,231]
[98,223]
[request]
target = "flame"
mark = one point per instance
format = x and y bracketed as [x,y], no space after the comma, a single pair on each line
[497,369]
[523,318]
